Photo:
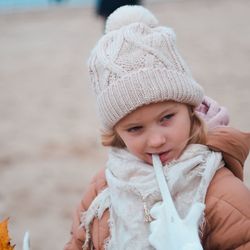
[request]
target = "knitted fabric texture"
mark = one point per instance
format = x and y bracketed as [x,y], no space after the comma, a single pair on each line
[133,190]
[136,63]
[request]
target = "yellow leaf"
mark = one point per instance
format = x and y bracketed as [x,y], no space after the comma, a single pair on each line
[4,236]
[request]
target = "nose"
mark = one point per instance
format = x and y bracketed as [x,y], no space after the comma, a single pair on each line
[156,139]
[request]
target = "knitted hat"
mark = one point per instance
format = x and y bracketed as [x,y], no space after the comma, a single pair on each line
[136,63]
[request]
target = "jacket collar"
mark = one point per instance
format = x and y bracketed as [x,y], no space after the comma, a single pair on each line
[233,144]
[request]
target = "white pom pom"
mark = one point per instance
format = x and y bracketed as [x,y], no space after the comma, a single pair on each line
[129,14]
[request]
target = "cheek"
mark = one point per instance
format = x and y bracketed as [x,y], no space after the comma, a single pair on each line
[179,136]
[128,141]
[133,144]
[182,130]
[185,134]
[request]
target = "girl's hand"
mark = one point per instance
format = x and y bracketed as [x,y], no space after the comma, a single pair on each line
[212,113]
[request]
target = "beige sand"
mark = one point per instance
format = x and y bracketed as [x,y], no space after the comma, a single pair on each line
[49,145]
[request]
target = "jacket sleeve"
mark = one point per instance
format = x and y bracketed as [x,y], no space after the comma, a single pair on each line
[78,233]
[227,213]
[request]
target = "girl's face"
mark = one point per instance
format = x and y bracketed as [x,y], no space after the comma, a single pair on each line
[158,128]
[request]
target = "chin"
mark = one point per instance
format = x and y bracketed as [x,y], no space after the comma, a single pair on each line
[147,160]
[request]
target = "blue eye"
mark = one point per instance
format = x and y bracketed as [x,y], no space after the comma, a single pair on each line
[134,129]
[167,117]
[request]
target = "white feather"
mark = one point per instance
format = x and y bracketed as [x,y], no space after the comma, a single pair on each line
[168,230]
[26,241]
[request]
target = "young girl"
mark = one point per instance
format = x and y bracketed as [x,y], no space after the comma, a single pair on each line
[147,101]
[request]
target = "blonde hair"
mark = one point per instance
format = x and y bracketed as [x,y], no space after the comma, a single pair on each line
[198,133]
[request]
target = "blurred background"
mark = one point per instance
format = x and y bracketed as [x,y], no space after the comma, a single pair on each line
[49,139]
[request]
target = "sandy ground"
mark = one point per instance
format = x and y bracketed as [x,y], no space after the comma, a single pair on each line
[49,145]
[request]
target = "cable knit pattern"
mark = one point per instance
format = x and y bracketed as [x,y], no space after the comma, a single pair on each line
[137,64]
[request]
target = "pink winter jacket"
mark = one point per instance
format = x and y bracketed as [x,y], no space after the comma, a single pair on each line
[227,211]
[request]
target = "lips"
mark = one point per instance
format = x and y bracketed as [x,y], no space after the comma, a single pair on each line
[164,156]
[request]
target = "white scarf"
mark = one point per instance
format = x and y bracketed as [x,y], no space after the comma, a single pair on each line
[132,191]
